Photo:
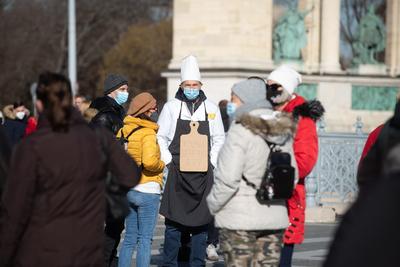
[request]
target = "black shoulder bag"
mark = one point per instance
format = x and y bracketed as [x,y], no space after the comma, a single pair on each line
[117,202]
[278,180]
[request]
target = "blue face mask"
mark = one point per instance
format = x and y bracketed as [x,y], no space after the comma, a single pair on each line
[121,97]
[230,109]
[191,94]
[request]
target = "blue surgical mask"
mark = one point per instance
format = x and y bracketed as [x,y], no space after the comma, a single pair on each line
[230,109]
[121,97]
[191,94]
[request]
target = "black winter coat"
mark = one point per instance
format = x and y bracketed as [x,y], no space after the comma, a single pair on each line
[110,113]
[368,235]
[5,153]
[372,166]
[53,205]
[15,129]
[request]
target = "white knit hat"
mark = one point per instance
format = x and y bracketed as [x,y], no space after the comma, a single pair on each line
[190,69]
[287,77]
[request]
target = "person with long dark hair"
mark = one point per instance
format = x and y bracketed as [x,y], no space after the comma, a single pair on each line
[53,207]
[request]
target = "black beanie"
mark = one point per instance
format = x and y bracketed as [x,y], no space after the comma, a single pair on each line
[113,82]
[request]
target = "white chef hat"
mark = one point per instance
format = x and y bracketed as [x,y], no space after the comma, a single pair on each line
[287,77]
[190,69]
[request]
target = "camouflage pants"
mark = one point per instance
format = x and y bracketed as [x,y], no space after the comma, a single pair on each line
[251,248]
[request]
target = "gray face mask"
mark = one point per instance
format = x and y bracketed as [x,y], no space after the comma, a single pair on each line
[154,116]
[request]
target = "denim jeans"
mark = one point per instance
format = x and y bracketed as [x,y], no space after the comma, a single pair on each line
[140,224]
[172,242]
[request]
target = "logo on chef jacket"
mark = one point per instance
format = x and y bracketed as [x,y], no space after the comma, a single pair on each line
[211,116]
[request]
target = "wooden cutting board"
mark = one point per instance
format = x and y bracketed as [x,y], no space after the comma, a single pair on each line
[193,150]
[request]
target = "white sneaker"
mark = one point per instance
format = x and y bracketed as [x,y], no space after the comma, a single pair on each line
[212,254]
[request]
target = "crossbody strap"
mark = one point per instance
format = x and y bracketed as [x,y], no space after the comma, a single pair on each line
[134,130]
[266,174]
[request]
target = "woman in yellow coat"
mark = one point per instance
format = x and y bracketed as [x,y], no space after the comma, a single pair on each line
[140,132]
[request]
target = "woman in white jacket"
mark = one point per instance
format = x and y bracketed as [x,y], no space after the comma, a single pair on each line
[251,232]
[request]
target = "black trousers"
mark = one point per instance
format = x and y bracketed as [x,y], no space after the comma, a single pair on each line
[213,234]
[112,231]
[286,255]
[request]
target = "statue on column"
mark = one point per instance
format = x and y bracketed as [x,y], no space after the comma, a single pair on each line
[290,35]
[370,40]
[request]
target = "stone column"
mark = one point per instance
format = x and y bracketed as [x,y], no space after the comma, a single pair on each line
[311,52]
[223,34]
[330,36]
[392,52]
[269,30]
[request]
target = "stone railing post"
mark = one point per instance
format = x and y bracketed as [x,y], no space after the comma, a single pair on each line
[321,125]
[359,125]
[312,179]
[311,189]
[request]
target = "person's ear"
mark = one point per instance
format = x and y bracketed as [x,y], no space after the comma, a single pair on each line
[39,105]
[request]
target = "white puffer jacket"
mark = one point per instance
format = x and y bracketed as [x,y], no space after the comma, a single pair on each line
[245,153]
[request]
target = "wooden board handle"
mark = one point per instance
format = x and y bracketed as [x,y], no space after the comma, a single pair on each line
[194,125]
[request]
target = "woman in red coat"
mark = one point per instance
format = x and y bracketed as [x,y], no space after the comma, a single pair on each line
[280,87]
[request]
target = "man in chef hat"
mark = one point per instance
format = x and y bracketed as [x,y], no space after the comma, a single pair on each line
[281,84]
[184,199]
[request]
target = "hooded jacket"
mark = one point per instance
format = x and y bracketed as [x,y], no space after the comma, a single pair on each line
[306,138]
[143,148]
[245,153]
[191,111]
[305,148]
[14,128]
[371,168]
[110,114]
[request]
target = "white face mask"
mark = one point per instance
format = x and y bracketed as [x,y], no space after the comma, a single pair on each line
[20,115]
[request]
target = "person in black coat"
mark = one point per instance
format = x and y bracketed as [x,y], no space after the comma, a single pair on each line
[110,110]
[16,117]
[110,114]
[371,167]
[367,235]
[5,153]
[53,204]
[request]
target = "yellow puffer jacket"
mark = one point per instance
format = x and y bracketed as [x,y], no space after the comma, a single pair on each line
[143,148]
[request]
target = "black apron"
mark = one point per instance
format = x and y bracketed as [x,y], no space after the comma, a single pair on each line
[184,197]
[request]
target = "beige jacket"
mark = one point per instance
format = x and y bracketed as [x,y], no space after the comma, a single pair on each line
[245,152]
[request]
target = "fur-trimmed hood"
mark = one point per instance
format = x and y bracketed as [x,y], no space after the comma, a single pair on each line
[275,127]
[300,107]
[312,109]
[8,112]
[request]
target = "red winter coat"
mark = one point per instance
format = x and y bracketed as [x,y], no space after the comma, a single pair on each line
[31,126]
[371,141]
[305,147]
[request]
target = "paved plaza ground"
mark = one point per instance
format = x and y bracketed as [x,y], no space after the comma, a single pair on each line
[310,254]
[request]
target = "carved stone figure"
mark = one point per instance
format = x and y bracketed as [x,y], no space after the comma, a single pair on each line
[371,38]
[290,35]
